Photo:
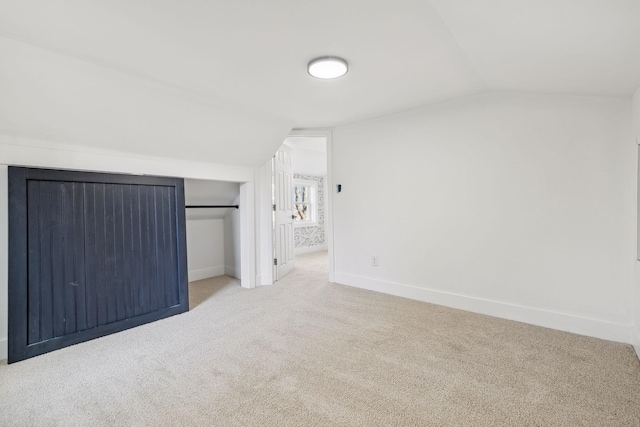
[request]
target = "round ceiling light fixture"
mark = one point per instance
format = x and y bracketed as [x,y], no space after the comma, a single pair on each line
[328,67]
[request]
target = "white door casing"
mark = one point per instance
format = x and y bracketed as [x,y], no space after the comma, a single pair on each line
[283,172]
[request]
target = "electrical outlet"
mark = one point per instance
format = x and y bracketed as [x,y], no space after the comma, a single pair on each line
[374,261]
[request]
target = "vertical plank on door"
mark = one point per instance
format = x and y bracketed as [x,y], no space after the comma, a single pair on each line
[101,281]
[91,255]
[162,247]
[151,254]
[167,261]
[68,276]
[144,259]
[173,255]
[138,276]
[128,248]
[57,250]
[109,254]
[46,262]
[118,274]
[34,262]
[79,274]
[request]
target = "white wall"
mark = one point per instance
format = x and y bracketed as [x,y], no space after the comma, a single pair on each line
[636,296]
[309,154]
[307,162]
[38,153]
[205,248]
[636,115]
[232,254]
[518,206]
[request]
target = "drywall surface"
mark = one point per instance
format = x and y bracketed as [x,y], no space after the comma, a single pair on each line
[636,115]
[232,254]
[51,96]
[309,239]
[308,162]
[205,247]
[39,153]
[514,205]
[636,296]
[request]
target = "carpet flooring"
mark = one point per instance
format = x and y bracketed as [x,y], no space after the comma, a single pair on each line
[305,352]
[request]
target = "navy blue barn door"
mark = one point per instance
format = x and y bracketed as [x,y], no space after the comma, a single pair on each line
[91,254]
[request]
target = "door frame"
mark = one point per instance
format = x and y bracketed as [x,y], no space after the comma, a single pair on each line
[264,223]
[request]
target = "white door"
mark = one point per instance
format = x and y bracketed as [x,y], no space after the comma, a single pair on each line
[283,172]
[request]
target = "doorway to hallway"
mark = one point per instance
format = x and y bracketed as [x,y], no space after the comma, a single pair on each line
[301,202]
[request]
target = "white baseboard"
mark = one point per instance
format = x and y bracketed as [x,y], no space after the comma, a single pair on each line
[232,271]
[4,349]
[205,273]
[546,318]
[309,249]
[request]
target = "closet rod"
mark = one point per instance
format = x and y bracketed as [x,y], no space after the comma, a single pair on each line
[211,206]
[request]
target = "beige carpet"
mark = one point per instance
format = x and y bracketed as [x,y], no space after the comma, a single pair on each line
[306,352]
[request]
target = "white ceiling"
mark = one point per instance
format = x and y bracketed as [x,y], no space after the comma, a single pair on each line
[225,81]
[588,47]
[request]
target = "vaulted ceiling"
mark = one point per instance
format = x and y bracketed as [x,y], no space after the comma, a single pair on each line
[225,81]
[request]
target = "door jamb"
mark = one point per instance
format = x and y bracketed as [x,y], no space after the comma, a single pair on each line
[247,236]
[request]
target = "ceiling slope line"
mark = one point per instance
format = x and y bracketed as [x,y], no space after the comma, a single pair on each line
[485,92]
[472,65]
[201,98]
[418,108]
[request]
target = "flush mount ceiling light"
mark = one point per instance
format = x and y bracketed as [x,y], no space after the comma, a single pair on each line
[328,67]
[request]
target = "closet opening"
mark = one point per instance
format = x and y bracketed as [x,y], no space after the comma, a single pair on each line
[212,212]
